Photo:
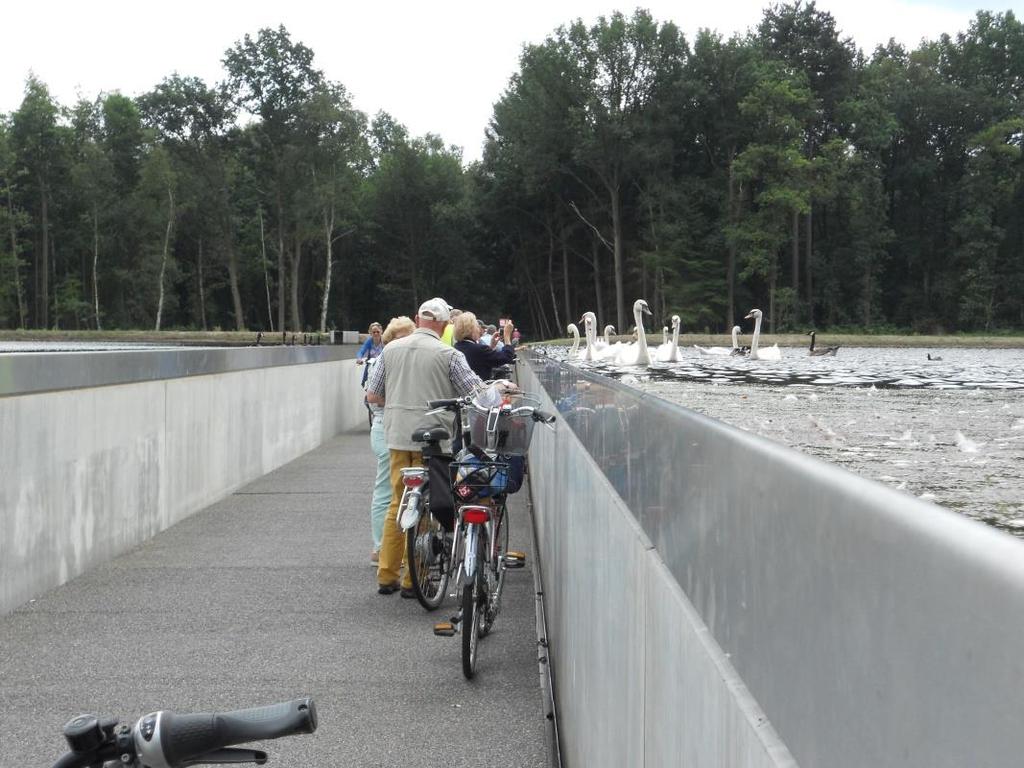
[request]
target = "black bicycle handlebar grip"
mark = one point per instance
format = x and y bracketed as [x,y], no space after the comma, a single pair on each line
[442,403]
[547,418]
[185,737]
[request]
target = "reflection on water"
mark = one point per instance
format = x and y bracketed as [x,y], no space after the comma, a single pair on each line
[949,431]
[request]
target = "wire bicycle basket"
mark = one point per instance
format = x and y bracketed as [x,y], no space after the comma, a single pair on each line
[497,430]
[474,479]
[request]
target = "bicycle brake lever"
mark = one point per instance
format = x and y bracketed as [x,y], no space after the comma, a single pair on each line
[229,755]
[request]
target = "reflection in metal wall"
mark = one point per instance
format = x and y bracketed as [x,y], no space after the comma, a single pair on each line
[872,628]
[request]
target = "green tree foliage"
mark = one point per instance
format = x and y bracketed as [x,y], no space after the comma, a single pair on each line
[779,167]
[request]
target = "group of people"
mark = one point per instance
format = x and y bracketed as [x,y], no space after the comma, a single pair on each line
[444,353]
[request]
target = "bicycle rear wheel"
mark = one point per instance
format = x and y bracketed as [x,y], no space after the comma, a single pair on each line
[474,608]
[428,554]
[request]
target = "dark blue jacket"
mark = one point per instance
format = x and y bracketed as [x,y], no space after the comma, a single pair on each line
[482,358]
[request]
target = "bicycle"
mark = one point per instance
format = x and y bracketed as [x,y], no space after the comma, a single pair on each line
[167,740]
[432,534]
[499,437]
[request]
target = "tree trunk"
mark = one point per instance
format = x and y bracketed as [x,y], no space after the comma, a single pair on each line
[807,266]
[620,301]
[236,294]
[296,262]
[328,234]
[730,263]
[551,279]
[565,274]
[280,263]
[43,303]
[163,260]
[202,288]
[22,319]
[95,263]
[595,249]
[266,273]
[796,255]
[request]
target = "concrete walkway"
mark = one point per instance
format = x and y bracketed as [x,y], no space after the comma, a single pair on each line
[266,596]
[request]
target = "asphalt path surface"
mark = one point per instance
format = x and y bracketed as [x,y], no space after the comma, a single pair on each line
[267,596]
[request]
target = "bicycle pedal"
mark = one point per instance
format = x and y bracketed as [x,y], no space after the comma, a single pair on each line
[515,560]
[444,629]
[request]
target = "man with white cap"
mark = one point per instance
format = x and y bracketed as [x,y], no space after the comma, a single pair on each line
[408,373]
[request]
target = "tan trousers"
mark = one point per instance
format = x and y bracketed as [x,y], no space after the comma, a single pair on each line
[392,545]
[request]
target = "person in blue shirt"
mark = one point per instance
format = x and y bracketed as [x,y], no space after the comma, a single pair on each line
[371,348]
[482,358]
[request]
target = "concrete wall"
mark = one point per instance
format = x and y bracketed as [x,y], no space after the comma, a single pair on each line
[715,599]
[86,474]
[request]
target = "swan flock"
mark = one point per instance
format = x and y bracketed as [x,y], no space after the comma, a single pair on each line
[601,349]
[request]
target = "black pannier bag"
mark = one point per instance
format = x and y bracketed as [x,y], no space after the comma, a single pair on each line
[442,503]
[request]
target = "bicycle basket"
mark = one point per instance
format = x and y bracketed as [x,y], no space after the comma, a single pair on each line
[500,431]
[473,479]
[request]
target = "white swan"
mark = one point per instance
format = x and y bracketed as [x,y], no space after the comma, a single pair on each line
[636,354]
[669,351]
[768,353]
[599,349]
[573,331]
[733,350]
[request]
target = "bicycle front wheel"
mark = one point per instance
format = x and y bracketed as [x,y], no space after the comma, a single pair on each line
[428,554]
[474,608]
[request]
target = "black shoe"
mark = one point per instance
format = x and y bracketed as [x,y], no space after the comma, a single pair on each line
[387,589]
[408,593]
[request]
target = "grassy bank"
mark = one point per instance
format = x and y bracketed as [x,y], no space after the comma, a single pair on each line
[184,338]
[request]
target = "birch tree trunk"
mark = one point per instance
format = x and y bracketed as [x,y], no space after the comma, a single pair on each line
[328,237]
[163,260]
[95,264]
[266,272]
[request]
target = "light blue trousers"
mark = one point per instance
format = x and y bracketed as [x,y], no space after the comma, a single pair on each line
[382,485]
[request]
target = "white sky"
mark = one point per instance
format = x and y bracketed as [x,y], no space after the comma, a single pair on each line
[435,66]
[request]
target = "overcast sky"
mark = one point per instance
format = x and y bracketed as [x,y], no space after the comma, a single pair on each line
[435,66]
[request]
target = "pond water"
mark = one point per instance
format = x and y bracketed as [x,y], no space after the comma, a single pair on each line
[948,431]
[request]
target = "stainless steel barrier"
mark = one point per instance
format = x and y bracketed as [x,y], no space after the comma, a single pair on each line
[868,628]
[25,373]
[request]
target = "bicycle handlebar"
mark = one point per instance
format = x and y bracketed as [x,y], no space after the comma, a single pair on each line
[166,740]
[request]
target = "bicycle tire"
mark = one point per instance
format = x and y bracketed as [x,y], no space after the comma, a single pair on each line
[428,559]
[474,596]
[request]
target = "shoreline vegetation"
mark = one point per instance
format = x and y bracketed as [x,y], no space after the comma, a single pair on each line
[791,340]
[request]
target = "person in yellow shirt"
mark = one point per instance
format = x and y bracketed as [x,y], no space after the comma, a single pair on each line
[448,337]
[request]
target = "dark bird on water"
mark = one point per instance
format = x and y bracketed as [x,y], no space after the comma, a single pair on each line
[820,351]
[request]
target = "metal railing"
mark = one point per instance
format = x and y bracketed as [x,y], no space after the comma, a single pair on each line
[849,624]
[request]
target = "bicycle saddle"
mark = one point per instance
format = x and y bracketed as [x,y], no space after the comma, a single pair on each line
[430,435]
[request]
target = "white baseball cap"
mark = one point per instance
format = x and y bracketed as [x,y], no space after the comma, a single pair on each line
[435,309]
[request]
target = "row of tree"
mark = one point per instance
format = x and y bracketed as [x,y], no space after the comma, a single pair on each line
[782,168]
